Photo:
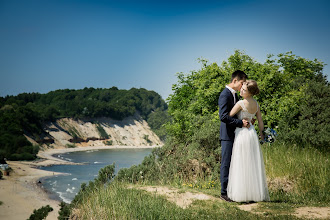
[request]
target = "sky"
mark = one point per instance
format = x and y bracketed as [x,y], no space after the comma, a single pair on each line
[47,45]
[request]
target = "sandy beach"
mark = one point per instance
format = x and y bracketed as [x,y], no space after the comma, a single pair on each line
[20,192]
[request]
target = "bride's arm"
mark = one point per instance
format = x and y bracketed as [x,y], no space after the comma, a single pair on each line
[235,109]
[260,124]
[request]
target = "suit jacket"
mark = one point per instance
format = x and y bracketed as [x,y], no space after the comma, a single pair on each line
[228,124]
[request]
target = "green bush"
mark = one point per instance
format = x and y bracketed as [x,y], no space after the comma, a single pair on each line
[42,213]
[106,174]
[109,143]
[64,212]
[311,124]
[70,145]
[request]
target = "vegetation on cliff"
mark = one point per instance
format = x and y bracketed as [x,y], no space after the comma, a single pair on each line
[26,112]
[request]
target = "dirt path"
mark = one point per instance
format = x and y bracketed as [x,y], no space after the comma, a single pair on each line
[184,199]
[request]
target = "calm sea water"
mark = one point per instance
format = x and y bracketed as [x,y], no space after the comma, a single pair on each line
[65,187]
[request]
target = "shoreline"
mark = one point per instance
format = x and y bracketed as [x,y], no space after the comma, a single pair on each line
[21,193]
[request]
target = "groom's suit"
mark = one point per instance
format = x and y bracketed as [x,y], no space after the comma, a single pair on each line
[227,134]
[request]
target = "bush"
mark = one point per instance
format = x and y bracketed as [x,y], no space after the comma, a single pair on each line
[70,145]
[42,213]
[109,143]
[106,174]
[312,123]
[64,212]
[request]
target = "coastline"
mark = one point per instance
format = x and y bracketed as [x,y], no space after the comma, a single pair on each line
[21,193]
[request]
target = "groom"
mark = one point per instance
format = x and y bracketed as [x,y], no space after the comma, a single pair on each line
[227,100]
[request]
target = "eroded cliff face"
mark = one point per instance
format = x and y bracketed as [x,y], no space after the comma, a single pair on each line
[132,131]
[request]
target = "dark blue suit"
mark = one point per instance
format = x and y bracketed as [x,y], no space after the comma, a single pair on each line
[227,134]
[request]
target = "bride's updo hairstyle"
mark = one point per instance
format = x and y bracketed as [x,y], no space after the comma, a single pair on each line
[252,86]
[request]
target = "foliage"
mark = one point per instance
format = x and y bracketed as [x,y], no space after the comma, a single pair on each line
[64,212]
[156,120]
[109,143]
[39,214]
[70,146]
[89,102]
[102,132]
[148,169]
[15,121]
[312,124]
[105,175]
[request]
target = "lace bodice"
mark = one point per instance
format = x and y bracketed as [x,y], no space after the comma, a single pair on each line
[244,114]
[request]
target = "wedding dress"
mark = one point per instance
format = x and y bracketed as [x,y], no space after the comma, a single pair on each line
[247,176]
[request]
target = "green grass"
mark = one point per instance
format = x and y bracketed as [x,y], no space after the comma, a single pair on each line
[118,202]
[297,175]
[275,208]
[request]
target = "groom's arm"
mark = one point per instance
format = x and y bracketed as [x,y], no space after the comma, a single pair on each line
[224,113]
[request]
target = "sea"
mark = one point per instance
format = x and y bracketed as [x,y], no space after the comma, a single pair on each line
[65,187]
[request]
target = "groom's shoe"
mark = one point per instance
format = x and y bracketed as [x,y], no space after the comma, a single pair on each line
[226,198]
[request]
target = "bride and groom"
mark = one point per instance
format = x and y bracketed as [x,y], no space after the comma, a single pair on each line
[242,171]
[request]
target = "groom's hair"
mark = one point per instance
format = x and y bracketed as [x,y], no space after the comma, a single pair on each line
[238,74]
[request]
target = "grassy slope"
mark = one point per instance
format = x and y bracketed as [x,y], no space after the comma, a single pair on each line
[296,177]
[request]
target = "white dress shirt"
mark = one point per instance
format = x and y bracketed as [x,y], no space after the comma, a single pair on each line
[232,92]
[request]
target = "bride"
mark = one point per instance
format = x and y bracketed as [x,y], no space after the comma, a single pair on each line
[247,178]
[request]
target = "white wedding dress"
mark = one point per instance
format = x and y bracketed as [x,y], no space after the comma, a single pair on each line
[247,176]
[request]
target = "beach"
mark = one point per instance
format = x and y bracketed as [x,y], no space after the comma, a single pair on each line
[21,193]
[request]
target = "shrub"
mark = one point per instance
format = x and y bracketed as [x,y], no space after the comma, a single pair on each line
[70,146]
[39,214]
[64,212]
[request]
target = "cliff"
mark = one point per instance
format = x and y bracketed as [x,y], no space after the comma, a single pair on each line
[131,131]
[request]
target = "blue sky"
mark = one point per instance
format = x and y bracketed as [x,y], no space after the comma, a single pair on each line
[47,45]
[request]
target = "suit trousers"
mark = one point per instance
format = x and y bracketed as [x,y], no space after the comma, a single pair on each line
[226,151]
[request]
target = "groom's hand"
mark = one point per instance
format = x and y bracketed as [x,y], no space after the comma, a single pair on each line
[246,123]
